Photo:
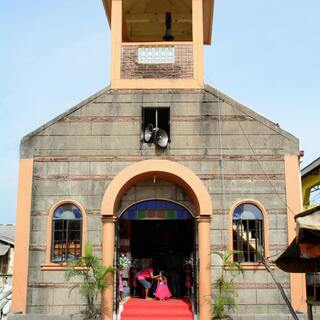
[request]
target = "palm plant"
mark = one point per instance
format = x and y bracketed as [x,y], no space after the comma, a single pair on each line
[93,276]
[226,294]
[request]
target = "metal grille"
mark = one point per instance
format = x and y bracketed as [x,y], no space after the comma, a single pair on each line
[248,238]
[66,240]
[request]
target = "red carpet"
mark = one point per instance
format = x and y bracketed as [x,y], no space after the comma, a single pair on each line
[172,309]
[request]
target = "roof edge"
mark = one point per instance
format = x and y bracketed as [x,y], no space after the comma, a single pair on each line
[64,114]
[260,118]
[310,167]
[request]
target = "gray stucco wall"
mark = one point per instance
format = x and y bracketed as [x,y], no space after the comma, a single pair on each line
[77,155]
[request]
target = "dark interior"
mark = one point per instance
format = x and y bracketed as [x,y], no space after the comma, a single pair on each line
[169,243]
[157,238]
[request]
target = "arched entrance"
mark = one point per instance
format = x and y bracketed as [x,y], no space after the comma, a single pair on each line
[192,185]
[162,232]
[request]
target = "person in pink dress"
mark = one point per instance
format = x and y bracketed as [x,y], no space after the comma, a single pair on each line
[188,283]
[120,284]
[162,291]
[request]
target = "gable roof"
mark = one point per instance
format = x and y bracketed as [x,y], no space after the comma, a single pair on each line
[64,114]
[249,112]
[207,88]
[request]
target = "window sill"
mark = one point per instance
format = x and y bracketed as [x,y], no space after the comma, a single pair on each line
[56,267]
[254,266]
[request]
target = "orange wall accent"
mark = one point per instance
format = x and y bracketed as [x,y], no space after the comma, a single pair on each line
[155,84]
[265,227]
[116,40]
[163,169]
[170,171]
[294,206]
[197,36]
[22,238]
[48,265]
[108,236]
[204,268]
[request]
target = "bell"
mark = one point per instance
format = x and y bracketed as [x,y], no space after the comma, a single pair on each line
[168,35]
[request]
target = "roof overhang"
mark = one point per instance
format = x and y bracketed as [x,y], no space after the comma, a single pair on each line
[303,254]
[310,168]
[292,261]
[208,9]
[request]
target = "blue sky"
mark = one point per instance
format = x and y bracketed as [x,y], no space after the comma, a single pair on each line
[53,54]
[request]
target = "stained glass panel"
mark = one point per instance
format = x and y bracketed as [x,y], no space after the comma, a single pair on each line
[156,210]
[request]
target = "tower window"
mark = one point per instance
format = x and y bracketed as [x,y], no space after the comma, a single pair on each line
[156,126]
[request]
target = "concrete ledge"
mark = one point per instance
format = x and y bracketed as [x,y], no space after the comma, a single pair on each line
[269,317]
[44,316]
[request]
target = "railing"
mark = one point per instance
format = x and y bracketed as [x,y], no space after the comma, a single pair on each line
[156,54]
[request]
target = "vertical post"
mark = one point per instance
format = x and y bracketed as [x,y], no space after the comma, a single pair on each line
[22,238]
[197,40]
[294,206]
[116,40]
[204,267]
[108,223]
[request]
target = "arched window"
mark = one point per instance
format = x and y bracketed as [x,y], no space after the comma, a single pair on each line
[67,224]
[248,233]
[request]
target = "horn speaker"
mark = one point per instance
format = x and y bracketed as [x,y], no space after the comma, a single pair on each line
[148,133]
[161,138]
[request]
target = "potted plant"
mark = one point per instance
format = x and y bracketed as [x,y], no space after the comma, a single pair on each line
[226,291]
[93,276]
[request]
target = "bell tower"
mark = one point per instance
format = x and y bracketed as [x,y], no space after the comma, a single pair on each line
[158,43]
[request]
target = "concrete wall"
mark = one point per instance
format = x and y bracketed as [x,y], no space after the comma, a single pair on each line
[77,155]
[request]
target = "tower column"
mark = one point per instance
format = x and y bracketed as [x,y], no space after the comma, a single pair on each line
[204,267]
[108,229]
[116,40]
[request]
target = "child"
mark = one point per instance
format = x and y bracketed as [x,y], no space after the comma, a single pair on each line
[162,291]
[120,284]
[188,281]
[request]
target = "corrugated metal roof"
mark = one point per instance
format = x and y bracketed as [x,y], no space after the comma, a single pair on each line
[7,233]
[310,167]
[3,249]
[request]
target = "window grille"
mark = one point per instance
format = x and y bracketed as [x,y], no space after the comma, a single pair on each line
[247,230]
[66,233]
[156,54]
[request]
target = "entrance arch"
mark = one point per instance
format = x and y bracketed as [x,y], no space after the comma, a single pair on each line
[193,186]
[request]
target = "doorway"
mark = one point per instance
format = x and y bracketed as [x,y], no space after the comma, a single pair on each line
[162,233]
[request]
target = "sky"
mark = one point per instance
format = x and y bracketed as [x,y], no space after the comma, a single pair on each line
[53,54]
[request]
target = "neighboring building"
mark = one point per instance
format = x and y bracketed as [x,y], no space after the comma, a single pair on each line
[6,253]
[158,165]
[310,178]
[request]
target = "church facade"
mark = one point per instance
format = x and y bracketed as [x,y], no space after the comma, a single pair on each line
[157,158]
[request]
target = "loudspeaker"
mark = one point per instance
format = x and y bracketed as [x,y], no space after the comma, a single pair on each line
[161,138]
[148,133]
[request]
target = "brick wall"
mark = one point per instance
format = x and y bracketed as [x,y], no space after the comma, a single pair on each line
[182,68]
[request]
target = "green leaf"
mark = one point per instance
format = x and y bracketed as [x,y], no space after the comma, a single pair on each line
[93,278]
